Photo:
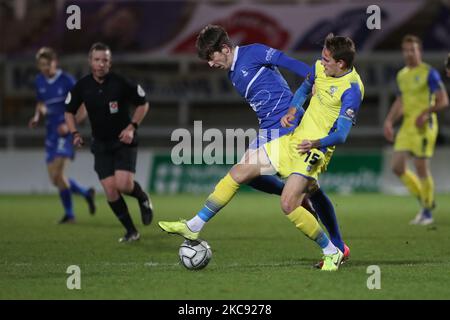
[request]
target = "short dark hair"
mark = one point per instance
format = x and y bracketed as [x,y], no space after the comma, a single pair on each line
[99,46]
[447,62]
[341,48]
[410,38]
[211,38]
[46,53]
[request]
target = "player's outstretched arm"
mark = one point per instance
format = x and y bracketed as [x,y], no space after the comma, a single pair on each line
[441,102]
[70,122]
[302,93]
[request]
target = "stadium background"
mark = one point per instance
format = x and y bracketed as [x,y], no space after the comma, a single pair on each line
[153,43]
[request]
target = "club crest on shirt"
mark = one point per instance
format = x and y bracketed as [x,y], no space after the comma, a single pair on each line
[113,107]
[269,54]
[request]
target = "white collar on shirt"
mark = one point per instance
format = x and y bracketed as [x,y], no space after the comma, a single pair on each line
[55,77]
[236,49]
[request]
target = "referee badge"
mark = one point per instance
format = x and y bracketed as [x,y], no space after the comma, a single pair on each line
[113,107]
[333,89]
[350,113]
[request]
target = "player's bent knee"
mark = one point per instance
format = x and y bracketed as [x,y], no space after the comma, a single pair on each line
[242,173]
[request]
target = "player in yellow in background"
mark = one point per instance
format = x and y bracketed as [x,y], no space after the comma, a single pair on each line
[421,94]
[304,154]
[447,66]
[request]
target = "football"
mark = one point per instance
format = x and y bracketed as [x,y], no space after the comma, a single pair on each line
[195,254]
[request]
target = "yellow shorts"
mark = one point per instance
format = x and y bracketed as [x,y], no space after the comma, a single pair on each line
[286,160]
[419,142]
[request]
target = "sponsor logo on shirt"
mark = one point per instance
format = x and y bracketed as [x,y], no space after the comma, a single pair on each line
[350,113]
[333,89]
[140,91]
[269,54]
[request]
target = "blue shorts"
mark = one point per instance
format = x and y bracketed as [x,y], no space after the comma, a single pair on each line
[57,146]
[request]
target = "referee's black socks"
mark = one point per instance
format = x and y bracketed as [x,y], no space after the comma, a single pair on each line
[120,209]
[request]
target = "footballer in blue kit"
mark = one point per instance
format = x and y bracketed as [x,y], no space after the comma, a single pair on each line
[52,86]
[255,76]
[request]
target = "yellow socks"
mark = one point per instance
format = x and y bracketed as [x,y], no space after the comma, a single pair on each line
[222,194]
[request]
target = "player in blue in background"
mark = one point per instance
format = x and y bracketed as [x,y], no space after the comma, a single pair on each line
[253,71]
[52,86]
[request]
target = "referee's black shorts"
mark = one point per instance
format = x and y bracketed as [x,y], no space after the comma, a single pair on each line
[113,155]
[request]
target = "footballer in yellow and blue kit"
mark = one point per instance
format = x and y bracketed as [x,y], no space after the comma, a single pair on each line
[329,117]
[417,87]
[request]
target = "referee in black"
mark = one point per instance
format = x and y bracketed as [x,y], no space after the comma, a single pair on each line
[107,97]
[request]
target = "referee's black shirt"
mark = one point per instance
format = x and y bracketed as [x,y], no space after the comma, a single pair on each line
[107,103]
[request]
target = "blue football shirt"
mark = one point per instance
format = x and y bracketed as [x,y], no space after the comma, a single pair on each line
[52,92]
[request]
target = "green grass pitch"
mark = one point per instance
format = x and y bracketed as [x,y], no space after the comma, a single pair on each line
[257,252]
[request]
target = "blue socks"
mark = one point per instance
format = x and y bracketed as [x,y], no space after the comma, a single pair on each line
[325,210]
[268,184]
[66,199]
[320,201]
[206,214]
[426,213]
[76,188]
